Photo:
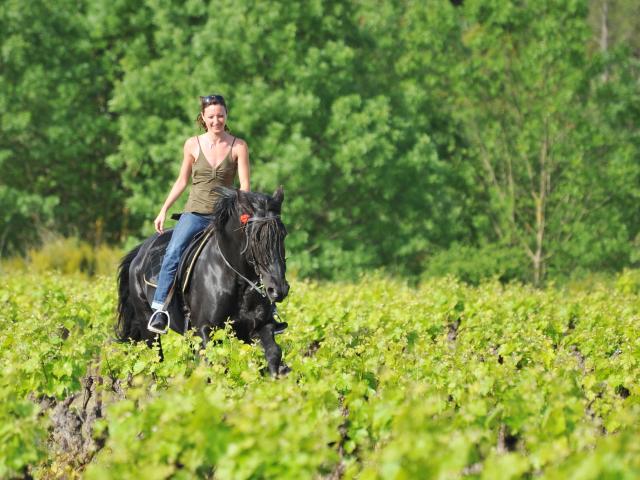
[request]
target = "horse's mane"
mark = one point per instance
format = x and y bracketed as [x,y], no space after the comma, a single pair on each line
[264,238]
[226,207]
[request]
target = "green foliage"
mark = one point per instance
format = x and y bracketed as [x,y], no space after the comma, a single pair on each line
[343,149]
[20,211]
[621,20]
[398,129]
[52,328]
[72,255]
[629,282]
[440,381]
[67,256]
[474,264]
[56,130]
[548,147]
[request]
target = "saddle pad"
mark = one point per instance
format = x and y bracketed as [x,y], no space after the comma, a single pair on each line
[154,257]
[190,256]
[153,263]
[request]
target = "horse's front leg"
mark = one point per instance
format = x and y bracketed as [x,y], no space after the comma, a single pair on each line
[272,351]
[205,334]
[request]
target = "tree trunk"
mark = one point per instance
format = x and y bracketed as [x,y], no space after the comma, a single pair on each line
[604,34]
[540,199]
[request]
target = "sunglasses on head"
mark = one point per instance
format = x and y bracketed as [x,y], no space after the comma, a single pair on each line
[209,99]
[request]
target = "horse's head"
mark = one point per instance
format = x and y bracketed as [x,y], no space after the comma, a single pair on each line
[265,233]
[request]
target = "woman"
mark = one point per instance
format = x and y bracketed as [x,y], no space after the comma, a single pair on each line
[211,159]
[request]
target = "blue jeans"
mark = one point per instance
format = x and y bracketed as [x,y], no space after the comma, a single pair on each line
[187,227]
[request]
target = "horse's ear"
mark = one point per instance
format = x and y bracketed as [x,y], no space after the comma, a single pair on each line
[243,201]
[278,195]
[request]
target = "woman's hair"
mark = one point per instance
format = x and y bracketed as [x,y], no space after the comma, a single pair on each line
[211,100]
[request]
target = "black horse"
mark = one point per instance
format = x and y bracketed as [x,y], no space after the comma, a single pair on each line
[245,249]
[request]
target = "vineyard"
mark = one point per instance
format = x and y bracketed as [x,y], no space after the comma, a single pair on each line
[388,381]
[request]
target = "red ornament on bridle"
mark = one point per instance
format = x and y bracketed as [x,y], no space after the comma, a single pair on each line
[244,218]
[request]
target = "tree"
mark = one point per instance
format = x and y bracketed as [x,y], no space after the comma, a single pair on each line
[615,23]
[526,101]
[56,127]
[314,89]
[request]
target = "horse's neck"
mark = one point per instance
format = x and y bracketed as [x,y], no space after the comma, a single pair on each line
[230,243]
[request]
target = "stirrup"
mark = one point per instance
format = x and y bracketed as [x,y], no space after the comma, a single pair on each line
[156,330]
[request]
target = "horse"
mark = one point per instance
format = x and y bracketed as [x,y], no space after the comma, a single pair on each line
[239,275]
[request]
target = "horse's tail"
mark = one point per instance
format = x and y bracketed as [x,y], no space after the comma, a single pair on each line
[126,313]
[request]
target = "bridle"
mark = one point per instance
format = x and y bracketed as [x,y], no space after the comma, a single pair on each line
[247,228]
[248,231]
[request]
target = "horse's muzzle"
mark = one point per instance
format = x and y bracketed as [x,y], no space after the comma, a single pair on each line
[278,293]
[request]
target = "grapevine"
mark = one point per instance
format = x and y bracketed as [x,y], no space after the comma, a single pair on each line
[443,380]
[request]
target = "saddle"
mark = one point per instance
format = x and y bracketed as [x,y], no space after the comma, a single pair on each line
[155,254]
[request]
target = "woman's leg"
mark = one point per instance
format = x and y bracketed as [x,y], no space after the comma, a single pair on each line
[188,225]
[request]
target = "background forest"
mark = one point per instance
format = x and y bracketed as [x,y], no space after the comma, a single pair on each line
[480,138]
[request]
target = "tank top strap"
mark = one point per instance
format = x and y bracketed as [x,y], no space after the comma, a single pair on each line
[231,149]
[199,147]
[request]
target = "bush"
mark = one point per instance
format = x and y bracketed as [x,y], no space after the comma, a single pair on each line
[67,256]
[473,264]
[629,281]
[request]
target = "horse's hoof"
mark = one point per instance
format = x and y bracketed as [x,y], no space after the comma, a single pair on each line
[279,327]
[283,370]
[264,371]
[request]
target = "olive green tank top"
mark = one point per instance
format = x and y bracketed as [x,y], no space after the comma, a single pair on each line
[204,180]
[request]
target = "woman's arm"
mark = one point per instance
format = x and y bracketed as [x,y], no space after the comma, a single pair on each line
[179,185]
[243,166]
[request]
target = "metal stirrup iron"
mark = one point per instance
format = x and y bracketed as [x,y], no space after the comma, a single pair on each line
[164,310]
[156,330]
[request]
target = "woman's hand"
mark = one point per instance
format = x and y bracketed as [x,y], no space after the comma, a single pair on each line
[159,221]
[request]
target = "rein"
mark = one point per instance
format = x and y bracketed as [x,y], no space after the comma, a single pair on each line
[257,286]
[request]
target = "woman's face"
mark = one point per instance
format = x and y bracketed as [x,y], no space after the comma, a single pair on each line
[215,117]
